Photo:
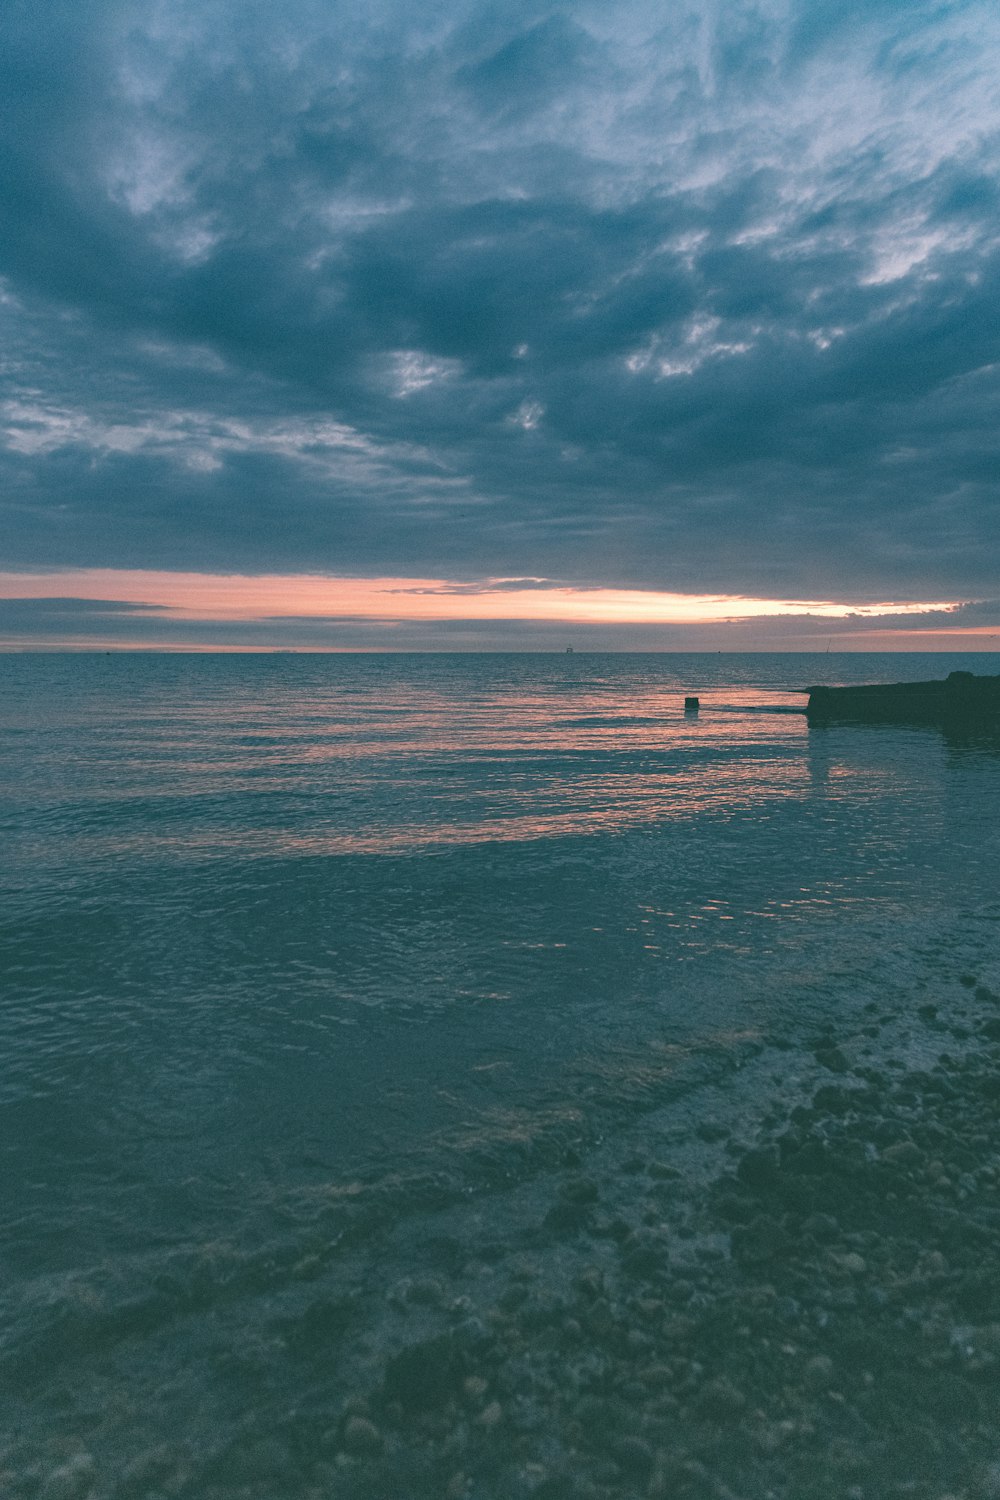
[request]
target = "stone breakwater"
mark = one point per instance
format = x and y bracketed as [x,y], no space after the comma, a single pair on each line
[796,1296]
[961,700]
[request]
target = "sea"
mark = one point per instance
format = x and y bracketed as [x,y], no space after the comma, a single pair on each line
[297,948]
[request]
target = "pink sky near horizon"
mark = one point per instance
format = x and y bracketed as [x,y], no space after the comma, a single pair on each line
[218,599]
[221,596]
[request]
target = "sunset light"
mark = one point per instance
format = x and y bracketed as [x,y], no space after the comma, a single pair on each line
[222,597]
[500,749]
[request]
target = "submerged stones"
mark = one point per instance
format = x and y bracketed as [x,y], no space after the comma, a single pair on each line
[814,1317]
[70,1480]
[574,1201]
[425,1375]
[361,1437]
[781,1330]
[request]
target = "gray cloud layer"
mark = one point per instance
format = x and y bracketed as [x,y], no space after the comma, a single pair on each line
[700,297]
[94,624]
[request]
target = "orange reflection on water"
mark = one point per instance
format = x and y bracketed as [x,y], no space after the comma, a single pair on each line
[399,766]
[566,808]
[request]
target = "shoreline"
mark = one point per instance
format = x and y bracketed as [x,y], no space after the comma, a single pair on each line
[783,1285]
[811,1309]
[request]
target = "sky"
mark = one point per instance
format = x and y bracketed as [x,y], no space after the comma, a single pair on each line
[500,326]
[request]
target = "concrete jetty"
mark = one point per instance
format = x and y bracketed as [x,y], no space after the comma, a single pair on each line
[961,698]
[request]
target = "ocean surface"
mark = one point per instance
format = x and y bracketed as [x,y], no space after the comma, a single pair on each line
[291,944]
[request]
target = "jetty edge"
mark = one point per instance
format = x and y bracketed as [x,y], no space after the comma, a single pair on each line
[961,698]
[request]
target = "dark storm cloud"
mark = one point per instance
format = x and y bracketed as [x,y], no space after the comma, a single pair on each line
[700,299]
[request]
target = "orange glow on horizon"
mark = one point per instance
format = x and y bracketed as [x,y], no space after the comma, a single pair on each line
[212,597]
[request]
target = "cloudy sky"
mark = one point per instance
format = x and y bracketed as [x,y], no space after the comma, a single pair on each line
[467,325]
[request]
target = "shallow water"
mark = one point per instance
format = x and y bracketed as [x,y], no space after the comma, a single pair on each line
[285,934]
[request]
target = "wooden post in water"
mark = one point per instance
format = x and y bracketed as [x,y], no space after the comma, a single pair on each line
[690,705]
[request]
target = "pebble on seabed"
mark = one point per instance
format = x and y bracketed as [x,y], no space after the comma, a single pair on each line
[70,1480]
[838,1342]
[361,1436]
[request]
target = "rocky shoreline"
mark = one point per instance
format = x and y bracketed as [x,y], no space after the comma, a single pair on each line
[785,1288]
[819,1318]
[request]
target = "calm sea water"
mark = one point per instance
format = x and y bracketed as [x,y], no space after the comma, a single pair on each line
[283,935]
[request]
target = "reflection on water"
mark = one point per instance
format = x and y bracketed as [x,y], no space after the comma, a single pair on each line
[225,849]
[283,936]
[341,759]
